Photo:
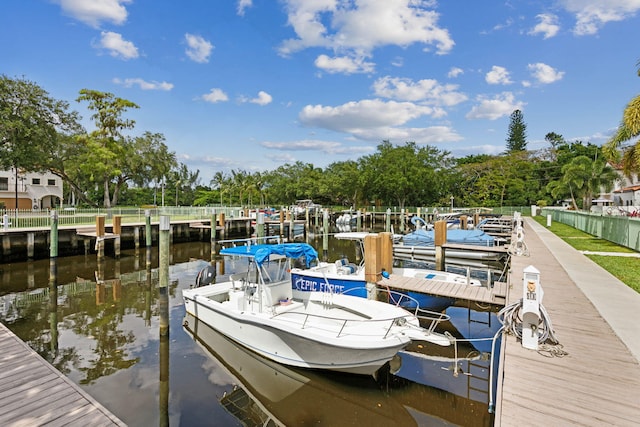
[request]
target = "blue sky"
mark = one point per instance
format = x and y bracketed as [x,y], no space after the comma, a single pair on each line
[254,84]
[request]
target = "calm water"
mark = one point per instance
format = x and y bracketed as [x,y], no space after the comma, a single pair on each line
[106,337]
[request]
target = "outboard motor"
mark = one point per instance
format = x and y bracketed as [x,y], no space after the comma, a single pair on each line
[206,276]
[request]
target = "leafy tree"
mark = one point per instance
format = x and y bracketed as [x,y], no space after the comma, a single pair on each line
[31,124]
[342,180]
[628,129]
[106,149]
[517,133]
[502,180]
[218,182]
[582,179]
[406,175]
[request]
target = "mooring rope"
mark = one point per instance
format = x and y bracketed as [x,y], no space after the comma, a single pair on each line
[510,318]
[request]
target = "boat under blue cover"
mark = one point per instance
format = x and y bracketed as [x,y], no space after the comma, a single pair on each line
[422,237]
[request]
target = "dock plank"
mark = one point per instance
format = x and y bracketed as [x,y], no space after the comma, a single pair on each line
[32,392]
[445,289]
[598,381]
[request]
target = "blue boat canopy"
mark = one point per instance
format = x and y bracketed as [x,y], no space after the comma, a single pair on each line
[422,237]
[261,253]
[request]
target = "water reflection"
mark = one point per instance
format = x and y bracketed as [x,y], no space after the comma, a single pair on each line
[111,328]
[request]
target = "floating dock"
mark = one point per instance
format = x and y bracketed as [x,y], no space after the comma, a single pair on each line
[34,393]
[481,294]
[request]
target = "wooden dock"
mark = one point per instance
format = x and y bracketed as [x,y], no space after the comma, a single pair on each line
[495,295]
[34,393]
[596,381]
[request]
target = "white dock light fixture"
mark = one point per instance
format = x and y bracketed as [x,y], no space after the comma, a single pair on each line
[532,294]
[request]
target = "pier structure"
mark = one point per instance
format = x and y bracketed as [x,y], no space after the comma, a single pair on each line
[593,377]
[34,393]
[21,244]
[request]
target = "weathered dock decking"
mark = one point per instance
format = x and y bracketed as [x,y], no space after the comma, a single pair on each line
[34,393]
[595,318]
[482,294]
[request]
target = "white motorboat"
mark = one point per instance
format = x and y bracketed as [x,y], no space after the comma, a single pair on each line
[321,330]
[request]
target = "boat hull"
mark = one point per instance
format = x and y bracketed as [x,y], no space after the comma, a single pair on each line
[292,339]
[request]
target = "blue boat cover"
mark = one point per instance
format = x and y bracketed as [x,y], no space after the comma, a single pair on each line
[261,253]
[423,237]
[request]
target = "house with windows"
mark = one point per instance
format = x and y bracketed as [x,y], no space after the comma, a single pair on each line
[627,190]
[42,190]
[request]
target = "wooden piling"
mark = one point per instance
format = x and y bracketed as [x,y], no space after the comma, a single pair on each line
[31,243]
[223,224]
[387,226]
[373,258]
[325,234]
[386,251]
[100,220]
[147,228]
[117,230]
[53,248]
[214,226]
[163,273]
[440,238]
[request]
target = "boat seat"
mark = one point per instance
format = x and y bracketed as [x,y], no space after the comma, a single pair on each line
[238,279]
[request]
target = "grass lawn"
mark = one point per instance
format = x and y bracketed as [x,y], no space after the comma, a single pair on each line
[624,268]
[627,269]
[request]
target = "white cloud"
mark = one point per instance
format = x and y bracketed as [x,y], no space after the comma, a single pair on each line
[144,85]
[117,46]
[215,95]
[498,76]
[95,11]
[544,73]
[426,91]
[499,106]
[198,49]
[548,25]
[344,64]
[244,5]
[328,147]
[591,15]
[263,98]
[455,72]
[352,116]
[349,25]
[375,120]
[426,135]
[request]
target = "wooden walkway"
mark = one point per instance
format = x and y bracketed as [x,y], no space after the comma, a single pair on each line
[597,382]
[482,294]
[34,393]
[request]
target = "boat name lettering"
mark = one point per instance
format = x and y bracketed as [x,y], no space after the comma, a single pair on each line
[309,285]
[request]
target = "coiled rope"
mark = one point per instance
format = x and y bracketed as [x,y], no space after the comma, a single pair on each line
[510,318]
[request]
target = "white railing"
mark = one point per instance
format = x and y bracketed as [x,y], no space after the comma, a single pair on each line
[41,218]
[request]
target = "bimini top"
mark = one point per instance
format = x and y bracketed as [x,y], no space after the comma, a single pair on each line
[262,252]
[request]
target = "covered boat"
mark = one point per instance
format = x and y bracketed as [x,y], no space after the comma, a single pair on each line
[343,276]
[422,237]
[259,310]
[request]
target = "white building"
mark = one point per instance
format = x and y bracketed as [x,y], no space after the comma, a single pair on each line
[32,190]
[626,191]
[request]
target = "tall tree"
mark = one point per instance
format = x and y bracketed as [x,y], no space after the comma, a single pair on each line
[106,145]
[628,129]
[31,122]
[517,133]
[583,178]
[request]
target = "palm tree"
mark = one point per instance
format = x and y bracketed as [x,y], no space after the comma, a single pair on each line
[583,178]
[629,128]
[218,182]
